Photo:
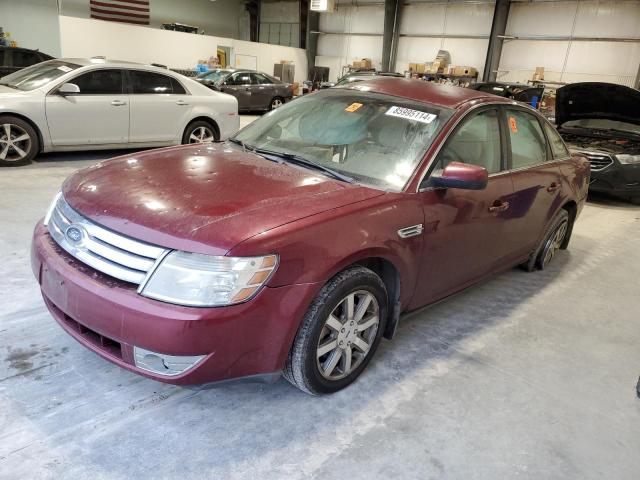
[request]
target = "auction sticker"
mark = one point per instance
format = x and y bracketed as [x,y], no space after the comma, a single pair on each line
[409,114]
[353,107]
[64,68]
[513,124]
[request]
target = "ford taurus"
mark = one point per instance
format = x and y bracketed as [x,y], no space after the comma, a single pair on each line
[296,246]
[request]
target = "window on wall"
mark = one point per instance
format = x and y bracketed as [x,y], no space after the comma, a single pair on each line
[285,34]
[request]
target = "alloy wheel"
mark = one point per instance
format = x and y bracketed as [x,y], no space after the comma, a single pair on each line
[15,143]
[201,135]
[347,335]
[554,243]
[275,103]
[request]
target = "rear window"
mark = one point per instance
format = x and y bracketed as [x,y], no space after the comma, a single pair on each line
[154,83]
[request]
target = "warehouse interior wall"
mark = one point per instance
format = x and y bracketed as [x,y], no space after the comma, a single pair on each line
[32,23]
[81,37]
[573,61]
[280,22]
[225,18]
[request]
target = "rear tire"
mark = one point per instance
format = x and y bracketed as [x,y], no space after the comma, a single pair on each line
[555,239]
[200,131]
[276,102]
[339,333]
[19,143]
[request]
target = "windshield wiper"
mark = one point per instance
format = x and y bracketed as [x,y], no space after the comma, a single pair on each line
[298,160]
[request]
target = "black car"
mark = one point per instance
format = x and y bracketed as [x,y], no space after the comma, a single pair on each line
[602,122]
[517,91]
[254,90]
[13,59]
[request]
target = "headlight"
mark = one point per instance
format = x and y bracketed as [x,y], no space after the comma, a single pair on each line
[628,159]
[197,280]
[54,202]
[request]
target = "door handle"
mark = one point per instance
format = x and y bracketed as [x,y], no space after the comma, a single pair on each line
[499,206]
[553,187]
[181,102]
[118,103]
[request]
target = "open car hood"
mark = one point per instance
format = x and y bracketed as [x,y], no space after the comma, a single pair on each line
[597,100]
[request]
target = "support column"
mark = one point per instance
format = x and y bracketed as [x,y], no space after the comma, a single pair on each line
[390,34]
[494,51]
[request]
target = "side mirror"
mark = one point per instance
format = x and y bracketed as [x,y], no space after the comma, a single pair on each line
[68,89]
[461,175]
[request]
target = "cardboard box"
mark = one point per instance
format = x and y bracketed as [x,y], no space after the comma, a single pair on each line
[538,75]
[463,71]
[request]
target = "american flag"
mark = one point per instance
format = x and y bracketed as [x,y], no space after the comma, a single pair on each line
[126,11]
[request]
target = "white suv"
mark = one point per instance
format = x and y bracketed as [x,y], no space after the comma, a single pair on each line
[91,104]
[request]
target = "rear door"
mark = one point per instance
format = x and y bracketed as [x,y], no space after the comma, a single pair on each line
[536,176]
[467,232]
[262,91]
[98,115]
[160,107]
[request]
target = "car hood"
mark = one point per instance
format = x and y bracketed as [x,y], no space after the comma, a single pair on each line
[597,100]
[203,199]
[6,92]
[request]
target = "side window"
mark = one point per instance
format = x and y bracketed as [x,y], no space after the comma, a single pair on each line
[558,147]
[150,82]
[100,82]
[240,79]
[22,58]
[178,89]
[259,79]
[528,145]
[476,142]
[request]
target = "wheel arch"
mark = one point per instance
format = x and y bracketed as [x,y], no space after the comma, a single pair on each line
[572,209]
[30,122]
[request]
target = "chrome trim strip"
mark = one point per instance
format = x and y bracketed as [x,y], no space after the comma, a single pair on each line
[411,231]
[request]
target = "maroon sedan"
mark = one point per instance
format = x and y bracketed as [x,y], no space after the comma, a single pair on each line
[294,247]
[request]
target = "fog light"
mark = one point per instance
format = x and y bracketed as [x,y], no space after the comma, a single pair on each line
[164,364]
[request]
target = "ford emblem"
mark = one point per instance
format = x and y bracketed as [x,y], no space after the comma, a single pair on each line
[75,234]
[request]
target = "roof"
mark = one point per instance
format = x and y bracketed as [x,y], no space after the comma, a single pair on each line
[421,91]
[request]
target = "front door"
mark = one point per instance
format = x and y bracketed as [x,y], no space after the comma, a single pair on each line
[239,85]
[98,115]
[262,91]
[466,232]
[160,108]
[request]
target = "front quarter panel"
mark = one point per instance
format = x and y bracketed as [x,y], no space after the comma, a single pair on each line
[29,105]
[315,248]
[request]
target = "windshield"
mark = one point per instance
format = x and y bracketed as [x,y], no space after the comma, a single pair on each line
[348,80]
[375,139]
[216,76]
[603,124]
[38,75]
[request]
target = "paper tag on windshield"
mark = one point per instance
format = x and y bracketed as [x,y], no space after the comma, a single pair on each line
[410,114]
[64,68]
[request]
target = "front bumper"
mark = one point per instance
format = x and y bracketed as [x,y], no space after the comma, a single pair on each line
[617,179]
[110,318]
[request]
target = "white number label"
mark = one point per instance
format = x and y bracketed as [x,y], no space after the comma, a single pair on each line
[410,114]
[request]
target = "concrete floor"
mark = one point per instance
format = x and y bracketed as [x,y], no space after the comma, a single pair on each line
[526,375]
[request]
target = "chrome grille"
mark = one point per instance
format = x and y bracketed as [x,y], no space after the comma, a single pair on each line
[598,161]
[106,251]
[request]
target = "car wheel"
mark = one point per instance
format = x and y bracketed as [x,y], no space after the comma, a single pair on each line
[276,102]
[553,241]
[200,132]
[339,333]
[18,142]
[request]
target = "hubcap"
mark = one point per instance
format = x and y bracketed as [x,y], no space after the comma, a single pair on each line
[276,103]
[554,243]
[347,335]
[201,135]
[15,143]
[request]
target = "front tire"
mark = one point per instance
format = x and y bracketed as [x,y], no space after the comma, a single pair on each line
[276,102]
[19,142]
[339,333]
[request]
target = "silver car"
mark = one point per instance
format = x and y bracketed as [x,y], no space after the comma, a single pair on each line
[92,104]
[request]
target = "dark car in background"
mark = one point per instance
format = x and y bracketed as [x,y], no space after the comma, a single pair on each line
[601,121]
[516,91]
[254,90]
[13,59]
